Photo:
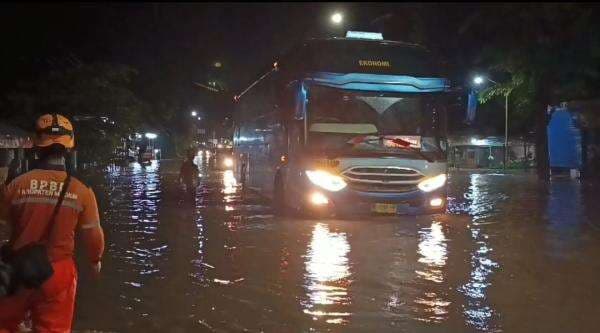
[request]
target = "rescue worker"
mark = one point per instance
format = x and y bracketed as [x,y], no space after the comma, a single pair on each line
[28,202]
[188,174]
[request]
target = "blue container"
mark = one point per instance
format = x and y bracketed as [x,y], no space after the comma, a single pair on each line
[564,139]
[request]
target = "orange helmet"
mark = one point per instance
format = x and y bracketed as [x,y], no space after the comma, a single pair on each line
[54,129]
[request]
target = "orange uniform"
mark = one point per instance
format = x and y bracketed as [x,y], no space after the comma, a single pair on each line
[27,205]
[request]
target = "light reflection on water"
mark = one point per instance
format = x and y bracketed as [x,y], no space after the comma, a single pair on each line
[327,276]
[229,184]
[199,262]
[480,205]
[230,191]
[439,270]
[432,248]
[136,198]
[567,219]
[433,252]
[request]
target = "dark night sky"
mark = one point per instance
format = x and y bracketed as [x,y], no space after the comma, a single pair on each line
[174,45]
[184,37]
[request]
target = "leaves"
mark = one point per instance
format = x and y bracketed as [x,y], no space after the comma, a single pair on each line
[98,92]
[546,50]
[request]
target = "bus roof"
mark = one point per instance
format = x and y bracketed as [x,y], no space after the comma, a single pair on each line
[384,41]
[350,55]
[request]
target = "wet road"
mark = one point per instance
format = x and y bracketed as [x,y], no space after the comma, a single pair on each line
[512,255]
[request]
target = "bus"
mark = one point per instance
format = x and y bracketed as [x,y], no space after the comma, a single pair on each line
[346,126]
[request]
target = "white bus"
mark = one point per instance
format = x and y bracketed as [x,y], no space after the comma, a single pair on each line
[346,126]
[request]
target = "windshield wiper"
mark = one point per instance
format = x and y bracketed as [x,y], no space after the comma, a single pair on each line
[403,144]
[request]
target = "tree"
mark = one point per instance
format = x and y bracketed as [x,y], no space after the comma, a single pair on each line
[98,95]
[549,54]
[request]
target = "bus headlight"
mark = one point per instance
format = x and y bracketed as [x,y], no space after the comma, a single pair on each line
[431,184]
[326,180]
[228,162]
[318,199]
[436,202]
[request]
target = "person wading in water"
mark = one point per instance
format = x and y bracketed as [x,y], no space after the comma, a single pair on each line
[188,175]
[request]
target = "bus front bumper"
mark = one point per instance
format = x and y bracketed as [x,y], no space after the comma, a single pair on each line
[349,202]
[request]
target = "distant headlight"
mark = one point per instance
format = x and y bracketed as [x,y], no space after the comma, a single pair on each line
[326,180]
[433,183]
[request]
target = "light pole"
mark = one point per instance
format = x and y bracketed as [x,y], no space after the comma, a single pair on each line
[478,80]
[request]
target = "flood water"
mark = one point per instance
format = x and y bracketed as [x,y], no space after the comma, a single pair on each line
[512,255]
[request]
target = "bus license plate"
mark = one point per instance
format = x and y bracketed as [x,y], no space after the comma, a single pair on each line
[383,208]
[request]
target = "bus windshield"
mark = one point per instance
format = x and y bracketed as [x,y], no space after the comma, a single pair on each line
[359,122]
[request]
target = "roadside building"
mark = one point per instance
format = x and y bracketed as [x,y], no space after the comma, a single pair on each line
[472,152]
[13,145]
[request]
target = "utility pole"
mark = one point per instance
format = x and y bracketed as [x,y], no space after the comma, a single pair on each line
[478,80]
[506,129]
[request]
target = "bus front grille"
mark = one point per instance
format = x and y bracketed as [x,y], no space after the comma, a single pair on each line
[382,179]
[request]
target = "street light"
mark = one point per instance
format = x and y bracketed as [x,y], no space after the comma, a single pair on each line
[194,113]
[151,136]
[337,18]
[478,80]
